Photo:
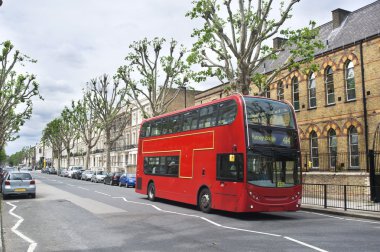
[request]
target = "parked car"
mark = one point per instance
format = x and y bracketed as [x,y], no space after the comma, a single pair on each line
[98,176]
[45,170]
[64,173]
[77,174]
[52,170]
[112,178]
[86,175]
[128,180]
[73,169]
[18,183]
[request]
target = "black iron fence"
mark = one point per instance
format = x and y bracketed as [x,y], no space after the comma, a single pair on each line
[339,196]
[337,162]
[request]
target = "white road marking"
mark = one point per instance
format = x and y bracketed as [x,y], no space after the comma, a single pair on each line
[33,244]
[342,218]
[71,185]
[83,188]
[102,193]
[225,227]
[305,244]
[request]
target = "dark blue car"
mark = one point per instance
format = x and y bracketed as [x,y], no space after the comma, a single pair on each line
[128,180]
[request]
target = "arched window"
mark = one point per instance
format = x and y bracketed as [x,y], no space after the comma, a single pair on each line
[329,82]
[350,81]
[353,147]
[296,94]
[333,148]
[314,156]
[312,92]
[280,91]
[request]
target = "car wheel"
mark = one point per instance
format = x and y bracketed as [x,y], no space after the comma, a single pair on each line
[33,195]
[204,200]
[151,192]
[5,196]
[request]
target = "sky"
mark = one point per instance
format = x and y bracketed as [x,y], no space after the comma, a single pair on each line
[75,41]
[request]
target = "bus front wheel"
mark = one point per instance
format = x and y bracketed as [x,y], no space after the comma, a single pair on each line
[151,192]
[204,201]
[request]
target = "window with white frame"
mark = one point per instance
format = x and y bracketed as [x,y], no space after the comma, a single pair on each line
[133,122]
[296,94]
[350,81]
[329,83]
[314,155]
[312,91]
[280,91]
[353,147]
[133,138]
[332,148]
[128,139]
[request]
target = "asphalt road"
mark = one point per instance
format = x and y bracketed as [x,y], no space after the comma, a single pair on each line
[73,215]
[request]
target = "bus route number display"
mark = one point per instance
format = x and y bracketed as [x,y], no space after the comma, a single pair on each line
[272,137]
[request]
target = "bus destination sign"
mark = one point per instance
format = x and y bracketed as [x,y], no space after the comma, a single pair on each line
[272,137]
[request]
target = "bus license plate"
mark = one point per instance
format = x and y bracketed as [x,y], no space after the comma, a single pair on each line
[20,190]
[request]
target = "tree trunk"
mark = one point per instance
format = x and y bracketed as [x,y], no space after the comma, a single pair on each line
[108,151]
[87,162]
[59,159]
[68,157]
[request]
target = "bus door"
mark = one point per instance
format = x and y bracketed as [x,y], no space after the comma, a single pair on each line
[229,181]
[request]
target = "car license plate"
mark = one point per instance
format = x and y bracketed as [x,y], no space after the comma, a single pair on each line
[20,190]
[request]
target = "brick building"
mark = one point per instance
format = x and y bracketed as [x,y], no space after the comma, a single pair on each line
[337,107]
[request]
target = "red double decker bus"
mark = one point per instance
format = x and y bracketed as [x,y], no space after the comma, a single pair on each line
[239,154]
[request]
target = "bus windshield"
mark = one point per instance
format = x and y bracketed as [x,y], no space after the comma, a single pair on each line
[268,113]
[273,168]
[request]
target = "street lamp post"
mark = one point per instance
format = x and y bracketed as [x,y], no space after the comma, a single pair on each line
[184,89]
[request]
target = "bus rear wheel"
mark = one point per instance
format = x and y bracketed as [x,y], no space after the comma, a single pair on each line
[151,192]
[204,200]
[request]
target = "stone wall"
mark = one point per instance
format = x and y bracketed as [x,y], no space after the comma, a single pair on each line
[344,178]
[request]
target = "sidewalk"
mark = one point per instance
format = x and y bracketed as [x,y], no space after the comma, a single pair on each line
[340,212]
[1,224]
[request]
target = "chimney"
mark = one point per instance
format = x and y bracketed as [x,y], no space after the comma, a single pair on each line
[278,43]
[339,15]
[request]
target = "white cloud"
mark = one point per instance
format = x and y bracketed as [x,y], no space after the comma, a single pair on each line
[76,40]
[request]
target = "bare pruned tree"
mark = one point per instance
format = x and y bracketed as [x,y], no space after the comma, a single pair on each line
[232,44]
[86,124]
[153,77]
[110,105]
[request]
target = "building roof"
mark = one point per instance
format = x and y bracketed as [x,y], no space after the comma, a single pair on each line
[361,24]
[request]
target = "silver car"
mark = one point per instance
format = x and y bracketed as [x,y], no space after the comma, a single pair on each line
[98,176]
[86,175]
[18,183]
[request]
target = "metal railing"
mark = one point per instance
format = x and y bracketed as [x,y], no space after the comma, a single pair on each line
[353,197]
[337,162]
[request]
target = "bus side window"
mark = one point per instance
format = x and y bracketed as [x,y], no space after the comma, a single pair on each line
[177,123]
[163,165]
[190,120]
[207,116]
[156,128]
[172,165]
[167,127]
[230,167]
[145,130]
[227,112]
